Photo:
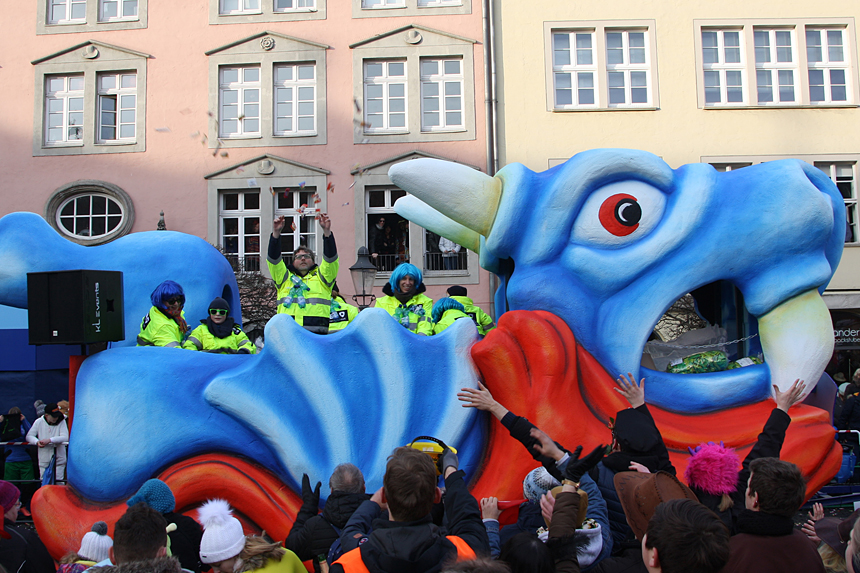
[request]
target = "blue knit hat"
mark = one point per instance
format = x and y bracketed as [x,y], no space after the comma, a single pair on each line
[156,494]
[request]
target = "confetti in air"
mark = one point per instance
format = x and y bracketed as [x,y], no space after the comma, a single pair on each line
[241,169]
[252,182]
[225,154]
[185,111]
[317,199]
[162,129]
[352,185]
[345,204]
[195,135]
[293,225]
[272,191]
[302,185]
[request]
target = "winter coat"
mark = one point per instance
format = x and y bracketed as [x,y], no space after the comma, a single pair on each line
[202,338]
[420,308]
[185,540]
[770,544]
[447,319]
[849,418]
[312,535]
[482,320]
[158,329]
[24,552]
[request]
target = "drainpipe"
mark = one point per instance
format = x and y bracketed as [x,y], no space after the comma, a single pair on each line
[490,104]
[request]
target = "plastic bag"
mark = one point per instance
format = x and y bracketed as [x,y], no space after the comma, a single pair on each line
[710,361]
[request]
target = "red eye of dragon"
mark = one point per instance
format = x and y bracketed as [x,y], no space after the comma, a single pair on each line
[620,214]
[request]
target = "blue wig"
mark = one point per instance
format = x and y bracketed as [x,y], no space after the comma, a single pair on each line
[402,271]
[164,292]
[443,304]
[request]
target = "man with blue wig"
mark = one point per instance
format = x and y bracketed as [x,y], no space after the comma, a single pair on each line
[164,324]
[405,299]
[304,288]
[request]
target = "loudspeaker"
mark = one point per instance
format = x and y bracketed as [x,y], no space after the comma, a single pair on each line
[75,307]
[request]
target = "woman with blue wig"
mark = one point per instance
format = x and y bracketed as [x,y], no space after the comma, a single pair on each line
[405,300]
[164,324]
[445,312]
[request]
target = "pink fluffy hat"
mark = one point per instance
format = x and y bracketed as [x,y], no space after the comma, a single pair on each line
[713,468]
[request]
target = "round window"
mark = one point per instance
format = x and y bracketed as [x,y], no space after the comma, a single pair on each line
[90,212]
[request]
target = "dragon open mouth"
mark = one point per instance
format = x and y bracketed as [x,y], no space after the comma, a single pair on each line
[797,342]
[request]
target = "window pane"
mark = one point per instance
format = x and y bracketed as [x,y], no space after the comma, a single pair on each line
[585,88]
[734,91]
[229,75]
[614,52]
[283,73]
[816,85]
[376,199]
[396,68]
[838,91]
[252,74]
[373,69]
[765,88]
[783,46]
[732,41]
[452,67]
[583,49]
[813,46]
[563,93]
[76,83]
[834,45]
[306,72]
[616,87]
[429,67]
[786,85]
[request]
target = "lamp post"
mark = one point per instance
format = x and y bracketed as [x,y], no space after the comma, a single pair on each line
[363,274]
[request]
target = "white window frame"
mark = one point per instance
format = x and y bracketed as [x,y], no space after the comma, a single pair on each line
[773,68]
[120,95]
[439,3]
[243,7]
[829,164]
[121,6]
[277,50]
[409,8]
[75,217]
[724,67]
[563,74]
[93,19]
[298,101]
[71,119]
[248,94]
[445,102]
[87,188]
[110,60]
[297,6]
[298,216]
[386,82]
[245,261]
[801,67]
[386,209]
[382,4]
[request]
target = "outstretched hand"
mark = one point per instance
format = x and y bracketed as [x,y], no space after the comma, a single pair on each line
[545,446]
[577,468]
[325,224]
[547,505]
[787,399]
[634,393]
[310,496]
[481,399]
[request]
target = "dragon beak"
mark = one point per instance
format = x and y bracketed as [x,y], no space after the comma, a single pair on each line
[420,213]
[466,195]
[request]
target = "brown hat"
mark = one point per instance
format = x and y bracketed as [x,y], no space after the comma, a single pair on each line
[836,532]
[641,493]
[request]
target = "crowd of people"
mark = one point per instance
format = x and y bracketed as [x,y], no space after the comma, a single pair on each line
[618,508]
[308,292]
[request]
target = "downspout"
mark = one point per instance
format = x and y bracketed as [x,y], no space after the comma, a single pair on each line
[489,32]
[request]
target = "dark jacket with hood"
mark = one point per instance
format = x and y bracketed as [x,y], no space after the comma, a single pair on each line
[312,534]
[185,540]
[21,551]
[417,546]
[641,442]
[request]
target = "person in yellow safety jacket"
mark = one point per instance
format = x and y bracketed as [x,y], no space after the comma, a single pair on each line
[342,313]
[406,539]
[405,300]
[218,333]
[304,288]
[164,324]
[445,311]
[481,319]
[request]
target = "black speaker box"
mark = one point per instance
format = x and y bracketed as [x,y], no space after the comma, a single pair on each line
[75,307]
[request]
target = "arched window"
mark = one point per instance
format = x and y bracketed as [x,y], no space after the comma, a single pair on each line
[90,212]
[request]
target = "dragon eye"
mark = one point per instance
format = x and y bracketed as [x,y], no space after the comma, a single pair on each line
[619,213]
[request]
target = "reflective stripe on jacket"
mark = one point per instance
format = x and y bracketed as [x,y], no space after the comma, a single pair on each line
[158,329]
[481,319]
[419,322]
[315,314]
[345,313]
[352,563]
[202,339]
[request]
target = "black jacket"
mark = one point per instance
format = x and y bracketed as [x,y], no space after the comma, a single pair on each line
[312,534]
[23,551]
[419,546]
[185,541]
[849,418]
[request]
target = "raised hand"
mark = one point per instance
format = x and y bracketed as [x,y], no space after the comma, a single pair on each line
[490,508]
[481,399]
[546,446]
[325,224]
[632,392]
[310,496]
[787,399]
[577,468]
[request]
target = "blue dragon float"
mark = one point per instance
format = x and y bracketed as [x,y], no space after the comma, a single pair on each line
[590,255]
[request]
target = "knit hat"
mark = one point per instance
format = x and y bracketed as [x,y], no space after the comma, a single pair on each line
[156,494]
[457,290]
[9,495]
[842,388]
[223,536]
[713,469]
[537,482]
[220,304]
[96,543]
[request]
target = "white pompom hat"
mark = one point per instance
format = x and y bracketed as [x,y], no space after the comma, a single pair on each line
[223,536]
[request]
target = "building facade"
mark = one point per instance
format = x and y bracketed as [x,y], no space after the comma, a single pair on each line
[224,114]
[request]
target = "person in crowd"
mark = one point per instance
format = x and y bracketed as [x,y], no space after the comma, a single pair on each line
[51,434]
[95,547]
[185,538]
[407,540]
[712,472]
[405,299]
[374,235]
[226,549]
[832,536]
[767,540]
[445,311]
[21,550]
[304,288]
[849,418]
[139,544]
[39,406]
[219,333]
[450,250]
[684,535]
[852,550]
[482,320]
[342,313]
[313,533]
[13,428]
[164,324]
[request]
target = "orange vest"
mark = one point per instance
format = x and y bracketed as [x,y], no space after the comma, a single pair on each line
[352,562]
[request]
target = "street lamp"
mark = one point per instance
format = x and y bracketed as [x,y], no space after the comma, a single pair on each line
[363,274]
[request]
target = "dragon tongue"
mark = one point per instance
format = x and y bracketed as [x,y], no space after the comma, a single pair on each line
[797,340]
